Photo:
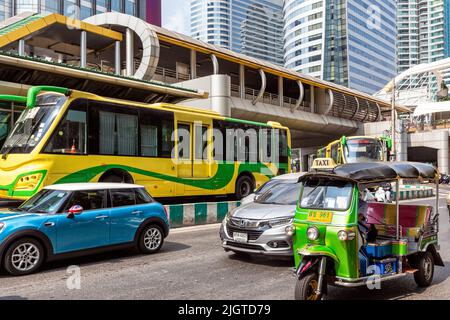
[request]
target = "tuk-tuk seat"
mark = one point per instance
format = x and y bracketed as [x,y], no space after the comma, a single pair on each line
[412,218]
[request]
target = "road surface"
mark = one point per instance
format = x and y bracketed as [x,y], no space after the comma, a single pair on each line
[192,265]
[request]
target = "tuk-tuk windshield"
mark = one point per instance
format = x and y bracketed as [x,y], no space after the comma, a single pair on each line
[321,193]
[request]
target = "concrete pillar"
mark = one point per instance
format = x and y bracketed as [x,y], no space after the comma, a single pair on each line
[193,64]
[280,91]
[442,156]
[21,48]
[242,81]
[117,59]
[220,94]
[129,52]
[83,49]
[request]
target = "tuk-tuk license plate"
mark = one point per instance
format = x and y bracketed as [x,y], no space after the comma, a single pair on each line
[240,237]
[324,217]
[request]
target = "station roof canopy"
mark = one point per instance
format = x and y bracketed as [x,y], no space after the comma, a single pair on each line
[56,32]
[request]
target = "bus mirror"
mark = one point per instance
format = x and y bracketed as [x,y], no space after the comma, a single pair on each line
[344,140]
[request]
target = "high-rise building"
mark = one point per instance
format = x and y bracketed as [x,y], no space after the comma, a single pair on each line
[149,10]
[423,31]
[349,42]
[251,27]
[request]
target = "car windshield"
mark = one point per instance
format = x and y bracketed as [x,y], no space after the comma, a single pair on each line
[282,193]
[268,185]
[33,123]
[326,194]
[45,201]
[363,150]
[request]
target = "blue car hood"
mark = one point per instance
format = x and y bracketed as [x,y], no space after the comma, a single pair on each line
[6,214]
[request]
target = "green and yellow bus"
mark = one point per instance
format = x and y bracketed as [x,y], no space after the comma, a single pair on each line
[67,136]
[357,149]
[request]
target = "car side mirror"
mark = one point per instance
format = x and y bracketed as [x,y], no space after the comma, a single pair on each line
[74,210]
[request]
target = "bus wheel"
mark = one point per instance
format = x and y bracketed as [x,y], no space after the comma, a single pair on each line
[244,187]
[425,266]
[305,289]
[116,176]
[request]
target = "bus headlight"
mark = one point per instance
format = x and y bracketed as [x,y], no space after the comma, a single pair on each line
[312,233]
[290,230]
[28,182]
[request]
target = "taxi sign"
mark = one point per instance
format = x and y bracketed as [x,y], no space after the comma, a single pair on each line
[323,164]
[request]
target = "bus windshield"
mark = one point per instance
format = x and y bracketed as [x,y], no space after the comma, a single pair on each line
[363,150]
[326,194]
[33,124]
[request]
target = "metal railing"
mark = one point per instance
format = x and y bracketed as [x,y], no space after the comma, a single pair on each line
[269,98]
[172,76]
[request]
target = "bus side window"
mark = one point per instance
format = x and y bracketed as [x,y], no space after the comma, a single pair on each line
[70,135]
[283,152]
[335,152]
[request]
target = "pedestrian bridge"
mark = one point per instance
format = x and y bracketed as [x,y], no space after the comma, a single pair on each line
[121,56]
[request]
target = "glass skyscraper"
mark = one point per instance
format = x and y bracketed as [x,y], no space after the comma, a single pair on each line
[251,27]
[423,32]
[79,9]
[348,42]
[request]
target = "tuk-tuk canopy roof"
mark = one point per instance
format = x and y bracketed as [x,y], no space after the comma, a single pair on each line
[384,171]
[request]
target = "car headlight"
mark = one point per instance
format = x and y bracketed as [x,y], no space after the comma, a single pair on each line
[2,225]
[28,182]
[312,233]
[280,222]
[290,230]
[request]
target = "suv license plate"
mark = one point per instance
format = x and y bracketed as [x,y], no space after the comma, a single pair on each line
[240,237]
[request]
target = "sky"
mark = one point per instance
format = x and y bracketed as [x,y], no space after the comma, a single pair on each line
[176,15]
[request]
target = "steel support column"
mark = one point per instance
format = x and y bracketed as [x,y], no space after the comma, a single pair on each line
[130,52]
[117,59]
[301,95]
[280,91]
[263,87]
[193,63]
[215,63]
[83,49]
[21,48]
[242,81]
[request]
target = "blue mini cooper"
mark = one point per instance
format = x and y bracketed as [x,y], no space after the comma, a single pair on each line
[69,220]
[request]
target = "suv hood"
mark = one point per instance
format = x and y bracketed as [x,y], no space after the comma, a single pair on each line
[259,211]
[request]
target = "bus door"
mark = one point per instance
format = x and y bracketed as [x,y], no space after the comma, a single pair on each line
[184,150]
[194,154]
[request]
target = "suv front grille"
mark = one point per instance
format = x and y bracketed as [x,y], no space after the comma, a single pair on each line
[252,234]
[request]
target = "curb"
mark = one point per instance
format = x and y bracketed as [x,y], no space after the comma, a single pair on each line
[193,214]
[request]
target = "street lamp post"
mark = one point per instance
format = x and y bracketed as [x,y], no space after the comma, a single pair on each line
[393,123]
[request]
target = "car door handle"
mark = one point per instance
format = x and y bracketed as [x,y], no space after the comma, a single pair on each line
[101,217]
[137,212]
[49,224]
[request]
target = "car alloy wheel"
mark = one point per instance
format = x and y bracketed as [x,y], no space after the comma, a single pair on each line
[152,238]
[25,257]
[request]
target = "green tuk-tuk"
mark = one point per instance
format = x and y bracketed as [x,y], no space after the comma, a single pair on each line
[342,239]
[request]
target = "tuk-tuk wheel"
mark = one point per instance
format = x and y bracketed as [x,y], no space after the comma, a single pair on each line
[305,289]
[425,264]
